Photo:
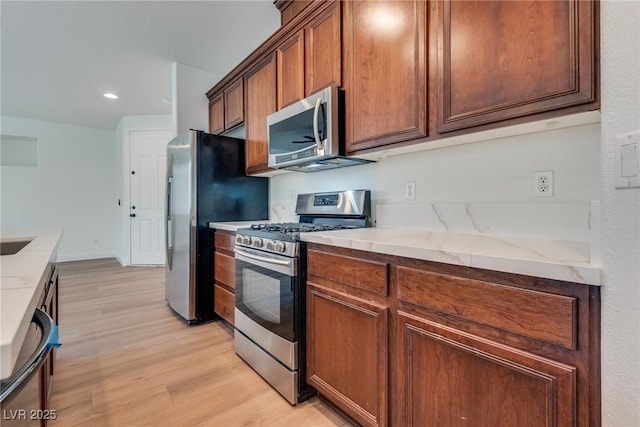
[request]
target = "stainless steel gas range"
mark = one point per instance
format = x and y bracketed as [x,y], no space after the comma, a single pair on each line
[270,310]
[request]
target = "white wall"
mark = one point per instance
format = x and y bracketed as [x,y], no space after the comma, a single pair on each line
[121,174]
[493,173]
[190,106]
[72,188]
[620,218]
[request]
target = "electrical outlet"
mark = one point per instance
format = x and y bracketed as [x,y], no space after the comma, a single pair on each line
[410,190]
[543,184]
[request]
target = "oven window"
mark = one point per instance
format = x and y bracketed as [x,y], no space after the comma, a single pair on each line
[263,296]
[267,298]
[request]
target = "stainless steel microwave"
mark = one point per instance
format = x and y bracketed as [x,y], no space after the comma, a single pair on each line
[308,135]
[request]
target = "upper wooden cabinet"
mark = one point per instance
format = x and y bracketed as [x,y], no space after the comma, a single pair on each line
[289,9]
[226,109]
[234,104]
[385,72]
[323,38]
[290,76]
[216,114]
[260,83]
[501,60]
[415,71]
[309,60]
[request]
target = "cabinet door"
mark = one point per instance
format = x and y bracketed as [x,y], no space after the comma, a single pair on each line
[260,101]
[323,37]
[347,353]
[453,378]
[505,59]
[216,115]
[234,104]
[385,77]
[290,60]
[224,303]
[225,270]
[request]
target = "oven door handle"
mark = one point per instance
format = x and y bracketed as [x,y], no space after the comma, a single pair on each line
[281,266]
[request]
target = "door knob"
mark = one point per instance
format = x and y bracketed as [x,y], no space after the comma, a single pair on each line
[132,215]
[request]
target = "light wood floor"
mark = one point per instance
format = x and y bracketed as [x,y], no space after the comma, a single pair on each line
[127,360]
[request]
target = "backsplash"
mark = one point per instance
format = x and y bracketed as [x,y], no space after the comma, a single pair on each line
[478,188]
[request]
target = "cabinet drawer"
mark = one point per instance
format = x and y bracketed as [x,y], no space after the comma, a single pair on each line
[543,316]
[363,274]
[224,304]
[225,240]
[225,269]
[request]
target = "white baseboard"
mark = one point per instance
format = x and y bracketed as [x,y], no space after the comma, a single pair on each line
[123,261]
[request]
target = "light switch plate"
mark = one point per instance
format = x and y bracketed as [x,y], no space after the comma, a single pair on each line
[627,161]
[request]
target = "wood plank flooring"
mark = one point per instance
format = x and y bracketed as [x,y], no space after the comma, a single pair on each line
[128,360]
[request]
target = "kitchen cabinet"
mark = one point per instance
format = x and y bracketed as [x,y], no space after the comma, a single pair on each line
[226,109]
[309,60]
[216,114]
[499,60]
[289,9]
[224,274]
[234,104]
[260,101]
[290,75]
[385,72]
[459,344]
[347,346]
[323,38]
[415,71]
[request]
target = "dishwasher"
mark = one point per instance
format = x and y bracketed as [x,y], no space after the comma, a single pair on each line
[21,396]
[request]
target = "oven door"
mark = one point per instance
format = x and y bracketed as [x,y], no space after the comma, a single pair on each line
[266,291]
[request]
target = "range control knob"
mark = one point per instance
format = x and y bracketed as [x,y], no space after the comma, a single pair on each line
[257,242]
[246,240]
[270,245]
[280,246]
[239,239]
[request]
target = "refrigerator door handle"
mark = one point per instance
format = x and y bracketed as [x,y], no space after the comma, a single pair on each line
[168,241]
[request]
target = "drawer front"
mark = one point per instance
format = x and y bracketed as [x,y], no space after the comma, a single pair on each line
[363,274]
[225,269]
[224,303]
[225,240]
[543,316]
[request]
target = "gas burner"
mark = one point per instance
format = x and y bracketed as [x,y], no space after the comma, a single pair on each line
[298,227]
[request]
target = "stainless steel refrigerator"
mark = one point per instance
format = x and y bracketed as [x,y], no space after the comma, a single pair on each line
[205,182]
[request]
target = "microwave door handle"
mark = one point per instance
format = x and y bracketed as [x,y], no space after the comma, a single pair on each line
[316,130]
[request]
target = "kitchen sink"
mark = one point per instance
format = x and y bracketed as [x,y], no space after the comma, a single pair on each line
[12,248]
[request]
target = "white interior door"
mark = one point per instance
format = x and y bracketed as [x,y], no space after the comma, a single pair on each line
[148,151]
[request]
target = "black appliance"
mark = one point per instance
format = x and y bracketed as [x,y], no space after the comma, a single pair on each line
[205,182]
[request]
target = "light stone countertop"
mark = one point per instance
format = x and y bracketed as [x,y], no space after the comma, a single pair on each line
[21,287]
[235,225]
[559,260]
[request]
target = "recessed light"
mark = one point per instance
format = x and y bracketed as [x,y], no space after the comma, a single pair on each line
[110,95]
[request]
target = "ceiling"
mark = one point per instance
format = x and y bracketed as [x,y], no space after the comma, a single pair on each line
[60,57]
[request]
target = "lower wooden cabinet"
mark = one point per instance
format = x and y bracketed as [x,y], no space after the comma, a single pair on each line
[450,345]
[453,378]
[224,275]
[352,367]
